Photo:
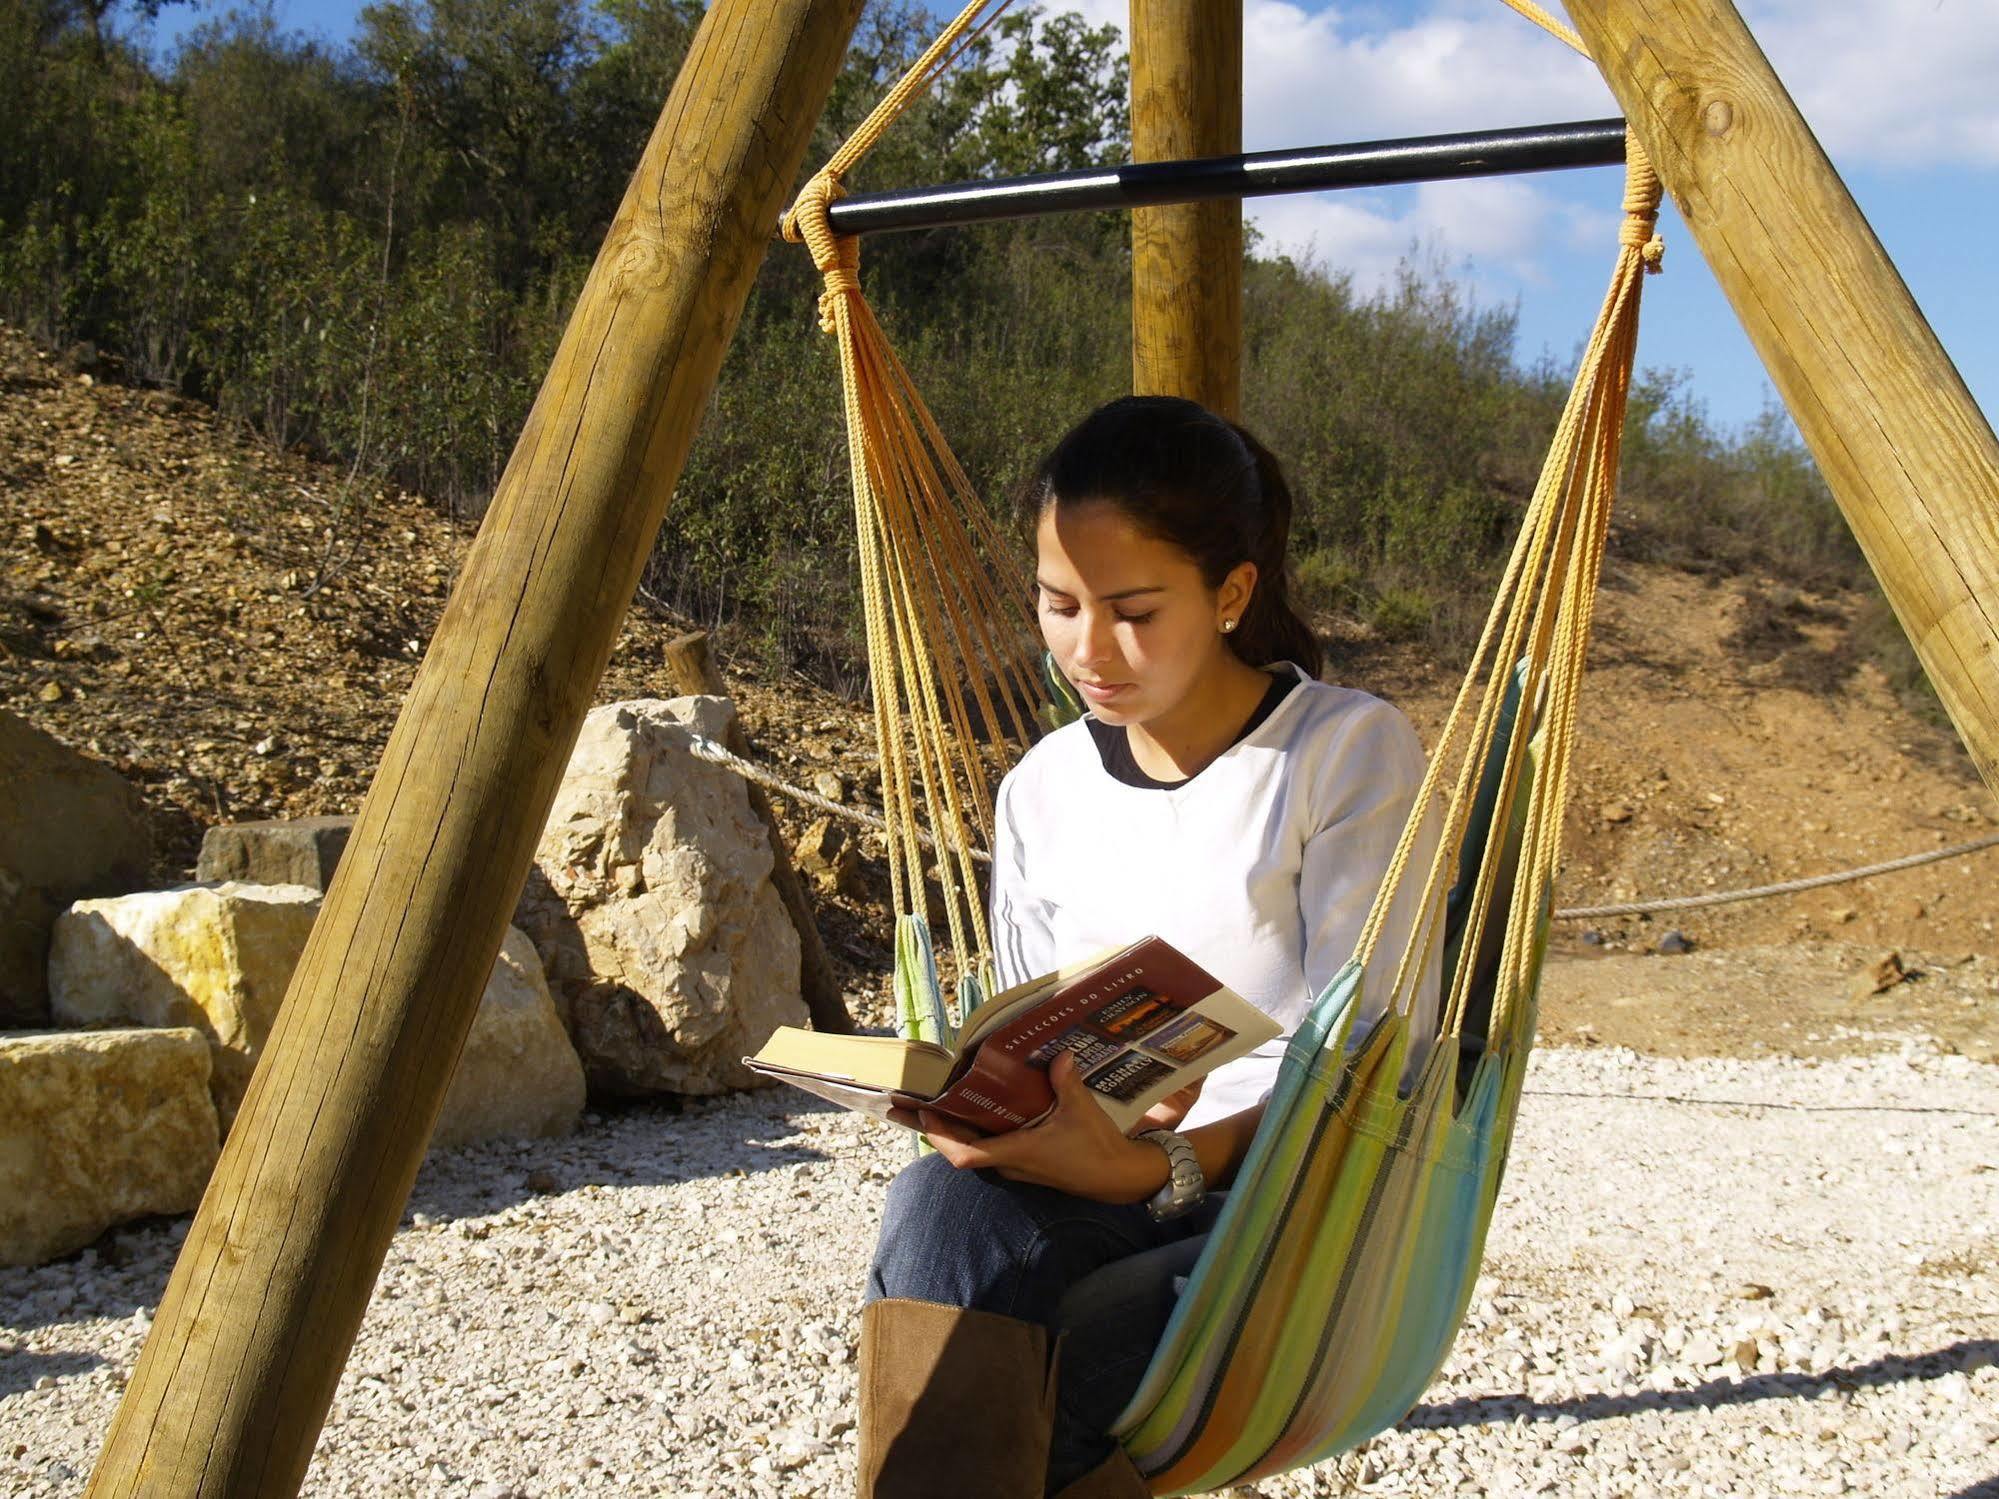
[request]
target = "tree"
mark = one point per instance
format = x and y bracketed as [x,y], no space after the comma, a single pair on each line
[94,13]
[493,85]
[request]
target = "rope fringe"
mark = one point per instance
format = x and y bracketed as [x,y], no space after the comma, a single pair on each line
[936,617]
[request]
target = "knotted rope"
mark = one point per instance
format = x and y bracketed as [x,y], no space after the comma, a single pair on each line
[1642,191]
[937,620]
[837,259]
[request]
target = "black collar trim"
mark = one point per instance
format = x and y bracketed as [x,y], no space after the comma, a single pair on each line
[1114,746]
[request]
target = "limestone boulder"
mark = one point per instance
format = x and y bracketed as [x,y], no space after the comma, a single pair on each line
[70,827]
[518,1077]
[214,957]
[98,1128]
[287,851]
[218,958]
[669,952]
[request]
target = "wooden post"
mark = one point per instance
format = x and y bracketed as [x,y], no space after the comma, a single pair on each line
[1910,458]
[1186,261]
[690,665]
[234,1380]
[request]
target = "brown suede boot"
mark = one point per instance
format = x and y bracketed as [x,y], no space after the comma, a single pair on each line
[953,1403]
[1116,1477]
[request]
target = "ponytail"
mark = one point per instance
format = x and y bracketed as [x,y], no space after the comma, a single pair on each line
[1271,629]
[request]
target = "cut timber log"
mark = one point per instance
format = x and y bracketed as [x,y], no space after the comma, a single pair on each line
[1908,455]
[1186,260]
[691,666]
[234,1381]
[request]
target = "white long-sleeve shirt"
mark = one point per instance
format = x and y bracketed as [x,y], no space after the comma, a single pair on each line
[1261,868]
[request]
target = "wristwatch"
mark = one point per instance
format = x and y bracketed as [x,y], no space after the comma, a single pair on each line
[1185,1185]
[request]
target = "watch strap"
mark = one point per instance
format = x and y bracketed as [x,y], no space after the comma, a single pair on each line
[1185,1184]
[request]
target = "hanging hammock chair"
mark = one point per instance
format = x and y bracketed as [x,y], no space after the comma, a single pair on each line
[1328,1293]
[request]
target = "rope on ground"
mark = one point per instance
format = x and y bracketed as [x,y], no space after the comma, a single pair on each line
[708,749]
[1786,887]
[1760,1103]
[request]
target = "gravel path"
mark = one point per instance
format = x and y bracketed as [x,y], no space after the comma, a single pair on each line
[1708,1277]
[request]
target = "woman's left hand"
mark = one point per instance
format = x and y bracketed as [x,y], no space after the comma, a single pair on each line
[1075,1148]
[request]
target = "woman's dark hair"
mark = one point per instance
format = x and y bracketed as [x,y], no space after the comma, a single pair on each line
[1186,476]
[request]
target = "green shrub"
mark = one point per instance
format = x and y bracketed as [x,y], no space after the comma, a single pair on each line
[1400,614]
[1326,579]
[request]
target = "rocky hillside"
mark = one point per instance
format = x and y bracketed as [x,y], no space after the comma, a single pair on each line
[234,628]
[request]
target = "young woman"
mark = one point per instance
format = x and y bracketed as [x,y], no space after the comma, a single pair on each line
[1218,795]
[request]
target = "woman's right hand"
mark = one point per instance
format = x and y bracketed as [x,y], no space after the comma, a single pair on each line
[1075,1148]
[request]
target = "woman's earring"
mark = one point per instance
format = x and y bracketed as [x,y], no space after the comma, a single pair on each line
[1227,625]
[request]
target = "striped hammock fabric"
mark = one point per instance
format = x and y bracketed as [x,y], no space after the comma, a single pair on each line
[1330,1289]
[1333,1284]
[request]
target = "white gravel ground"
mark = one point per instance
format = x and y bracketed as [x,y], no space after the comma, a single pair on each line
[1706,1278]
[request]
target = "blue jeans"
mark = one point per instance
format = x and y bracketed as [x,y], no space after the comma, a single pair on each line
[973,1239]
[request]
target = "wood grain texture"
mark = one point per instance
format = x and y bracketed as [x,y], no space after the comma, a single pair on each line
[1186,261]
[690,666]
[1909,456]
[234,1381]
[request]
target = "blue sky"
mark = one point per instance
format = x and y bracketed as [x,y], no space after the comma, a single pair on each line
[1900,93]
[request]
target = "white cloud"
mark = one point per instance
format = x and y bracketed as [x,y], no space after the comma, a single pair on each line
[1883,82]
[1495,232]
[1340,74]
[1357,235]
[1890,82]
[1330,77]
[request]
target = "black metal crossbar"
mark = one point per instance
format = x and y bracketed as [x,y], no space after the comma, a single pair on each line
[1428,158]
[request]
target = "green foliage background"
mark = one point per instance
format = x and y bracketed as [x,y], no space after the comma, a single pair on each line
[369,251]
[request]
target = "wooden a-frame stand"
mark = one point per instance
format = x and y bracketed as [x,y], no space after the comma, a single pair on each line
[236,1376]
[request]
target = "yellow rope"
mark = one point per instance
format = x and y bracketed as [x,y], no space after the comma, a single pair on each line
[935,619]
[1539,628]
[1547,22]
[937,58]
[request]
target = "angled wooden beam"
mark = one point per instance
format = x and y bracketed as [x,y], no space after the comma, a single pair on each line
[1186,261]
[235,1378]
[1910,458]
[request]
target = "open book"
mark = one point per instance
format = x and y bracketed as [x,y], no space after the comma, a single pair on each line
[1142,1022]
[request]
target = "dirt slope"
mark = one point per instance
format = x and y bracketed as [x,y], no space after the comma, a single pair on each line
[234,629]
[1731,740]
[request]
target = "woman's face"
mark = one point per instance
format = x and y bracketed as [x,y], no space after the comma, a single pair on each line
[1128,617]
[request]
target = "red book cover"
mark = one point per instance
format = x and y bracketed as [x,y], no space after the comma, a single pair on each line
[1123,1023]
